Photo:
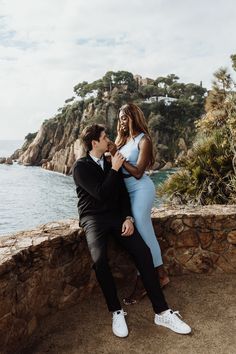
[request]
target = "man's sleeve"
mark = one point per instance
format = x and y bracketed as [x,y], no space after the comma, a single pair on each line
[84,177]
[125,199]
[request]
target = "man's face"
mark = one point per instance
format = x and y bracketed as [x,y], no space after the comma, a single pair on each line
[102,144]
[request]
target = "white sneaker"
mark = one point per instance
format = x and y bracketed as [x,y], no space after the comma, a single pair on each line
[171,319]
[119,326]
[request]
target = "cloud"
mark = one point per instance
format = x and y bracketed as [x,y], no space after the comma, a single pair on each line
[47,47]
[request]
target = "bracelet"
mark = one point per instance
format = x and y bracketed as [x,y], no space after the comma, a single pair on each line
[130,218]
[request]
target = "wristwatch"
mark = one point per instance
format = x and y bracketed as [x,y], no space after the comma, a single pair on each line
[130,218]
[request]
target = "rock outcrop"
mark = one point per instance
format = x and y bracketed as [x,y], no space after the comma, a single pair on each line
[56,145]
[2,160]
[6,160]
[170,124]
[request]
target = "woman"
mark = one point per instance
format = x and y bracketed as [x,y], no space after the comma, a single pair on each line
[135,144]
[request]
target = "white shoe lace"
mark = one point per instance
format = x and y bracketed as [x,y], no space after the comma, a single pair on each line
[172,319]
[169,318]
[176,319]
[117,320]
[116,315]
[177,313]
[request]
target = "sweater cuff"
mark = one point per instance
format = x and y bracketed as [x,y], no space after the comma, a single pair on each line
[114,172]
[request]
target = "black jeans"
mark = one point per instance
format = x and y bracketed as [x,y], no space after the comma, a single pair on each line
[97,230]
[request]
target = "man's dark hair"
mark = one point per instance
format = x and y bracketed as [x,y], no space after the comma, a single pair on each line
[89,133]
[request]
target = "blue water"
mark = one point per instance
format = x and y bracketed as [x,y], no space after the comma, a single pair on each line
[30,196]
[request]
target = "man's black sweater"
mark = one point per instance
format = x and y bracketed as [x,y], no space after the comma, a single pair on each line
[100,191]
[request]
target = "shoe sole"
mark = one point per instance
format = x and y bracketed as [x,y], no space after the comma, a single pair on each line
[174,330]
[120,336]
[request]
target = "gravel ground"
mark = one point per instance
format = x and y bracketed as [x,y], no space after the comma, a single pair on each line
[206,302]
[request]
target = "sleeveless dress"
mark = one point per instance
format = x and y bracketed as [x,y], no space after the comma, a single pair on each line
[142,194]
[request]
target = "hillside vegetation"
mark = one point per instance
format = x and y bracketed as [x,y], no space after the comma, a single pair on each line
[208,173]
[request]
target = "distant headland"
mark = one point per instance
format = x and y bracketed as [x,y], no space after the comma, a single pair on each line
[170,107]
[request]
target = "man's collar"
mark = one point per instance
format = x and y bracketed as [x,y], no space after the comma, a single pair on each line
[96,159]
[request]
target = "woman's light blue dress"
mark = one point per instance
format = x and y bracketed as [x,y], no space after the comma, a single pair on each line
[142,194]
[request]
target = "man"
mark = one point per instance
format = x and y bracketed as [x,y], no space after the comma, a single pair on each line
[104,210]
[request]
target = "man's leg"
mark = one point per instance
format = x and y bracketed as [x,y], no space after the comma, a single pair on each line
[96,236]
[141,254]
[143,260]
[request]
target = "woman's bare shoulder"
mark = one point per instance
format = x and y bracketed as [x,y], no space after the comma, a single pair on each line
[145,140]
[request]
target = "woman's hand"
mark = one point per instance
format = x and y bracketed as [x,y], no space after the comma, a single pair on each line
[108,156]
[112,148]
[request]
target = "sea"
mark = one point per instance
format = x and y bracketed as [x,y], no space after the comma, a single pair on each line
[31,196]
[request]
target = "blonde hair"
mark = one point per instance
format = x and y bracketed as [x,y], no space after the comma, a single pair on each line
[137,123]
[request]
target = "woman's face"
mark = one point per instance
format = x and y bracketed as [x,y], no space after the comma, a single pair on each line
[124,121]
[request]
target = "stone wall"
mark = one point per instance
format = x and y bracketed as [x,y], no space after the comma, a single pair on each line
[49,268]
[197,239]
[41,271]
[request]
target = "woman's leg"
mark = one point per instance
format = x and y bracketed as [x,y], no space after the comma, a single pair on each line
[142,201]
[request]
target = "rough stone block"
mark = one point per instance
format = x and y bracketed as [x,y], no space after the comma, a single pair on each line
[201,262]
[187,239]
[232,237]
[205,239]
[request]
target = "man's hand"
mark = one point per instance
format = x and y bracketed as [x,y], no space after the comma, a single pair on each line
[127,228]
[112,148]
[117,161]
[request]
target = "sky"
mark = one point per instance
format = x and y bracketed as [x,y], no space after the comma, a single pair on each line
[48,46]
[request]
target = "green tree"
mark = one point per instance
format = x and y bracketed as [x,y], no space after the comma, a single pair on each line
[148,91]
[119,79]
[108,81]
[30,136]
[208,175]
[164,83]
[82,89]
[68,100]
[233,58]
[125,78]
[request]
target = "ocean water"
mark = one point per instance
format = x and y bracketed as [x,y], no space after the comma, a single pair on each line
[31,196]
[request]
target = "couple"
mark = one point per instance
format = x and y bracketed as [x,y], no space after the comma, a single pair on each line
[105,211]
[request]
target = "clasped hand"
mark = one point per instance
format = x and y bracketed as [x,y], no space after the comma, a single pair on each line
[117,161]
[112,148]
[117,158]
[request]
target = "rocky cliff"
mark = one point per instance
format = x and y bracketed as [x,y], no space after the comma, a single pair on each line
[56,145]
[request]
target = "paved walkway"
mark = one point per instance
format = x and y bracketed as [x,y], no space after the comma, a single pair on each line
[207,303]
